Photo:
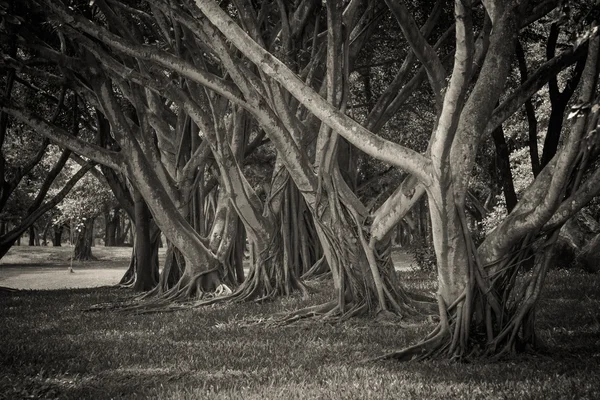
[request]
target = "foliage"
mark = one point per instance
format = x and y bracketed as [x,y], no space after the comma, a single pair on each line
[423,254]
[88,199]
[520,165]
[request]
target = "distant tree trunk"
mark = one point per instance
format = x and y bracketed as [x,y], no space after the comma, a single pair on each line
[83,241]
[123,231]
[113,220]
[45,232]
[58,231]
[505,178]
[32,236]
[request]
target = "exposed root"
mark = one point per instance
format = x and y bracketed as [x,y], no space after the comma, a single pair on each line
[172,299]
[324,310]
[437,341]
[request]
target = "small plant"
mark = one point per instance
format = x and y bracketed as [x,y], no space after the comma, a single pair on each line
[424,255]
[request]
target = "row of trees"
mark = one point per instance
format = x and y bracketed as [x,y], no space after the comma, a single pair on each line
[311,129]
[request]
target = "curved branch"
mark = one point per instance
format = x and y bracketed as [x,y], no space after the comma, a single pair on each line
[360,137]
[535,82]
[151,53]
[542,198]
[64,139]
[14,234]
[424,52]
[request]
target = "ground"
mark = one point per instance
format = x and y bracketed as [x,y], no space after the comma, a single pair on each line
[51,348]
[43,267]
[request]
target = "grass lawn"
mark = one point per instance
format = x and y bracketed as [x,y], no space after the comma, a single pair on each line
[52,349]
[46,267]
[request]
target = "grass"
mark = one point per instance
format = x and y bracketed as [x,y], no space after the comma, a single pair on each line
[48,256]
[41,267]
[51,349]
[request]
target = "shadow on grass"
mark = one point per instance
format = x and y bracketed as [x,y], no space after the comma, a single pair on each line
[53,350]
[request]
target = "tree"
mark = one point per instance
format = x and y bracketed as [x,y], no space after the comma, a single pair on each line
[464,284]
[230,73]
[80,209]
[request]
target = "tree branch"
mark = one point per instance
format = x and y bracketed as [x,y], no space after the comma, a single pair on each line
[366,141]
[11,236]
[64,139]
[424,52]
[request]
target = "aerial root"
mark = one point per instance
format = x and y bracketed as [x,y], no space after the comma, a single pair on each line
[319,270]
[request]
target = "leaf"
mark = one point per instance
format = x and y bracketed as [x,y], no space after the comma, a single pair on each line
[573,114]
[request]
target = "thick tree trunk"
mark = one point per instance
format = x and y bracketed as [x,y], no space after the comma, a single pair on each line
[146,252]
[83,241]
[172,270]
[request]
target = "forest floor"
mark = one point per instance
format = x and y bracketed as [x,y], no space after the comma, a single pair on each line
[51,348]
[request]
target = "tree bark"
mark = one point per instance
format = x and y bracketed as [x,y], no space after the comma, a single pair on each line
[146,274]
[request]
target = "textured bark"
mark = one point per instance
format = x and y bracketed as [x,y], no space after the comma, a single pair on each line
[146,250]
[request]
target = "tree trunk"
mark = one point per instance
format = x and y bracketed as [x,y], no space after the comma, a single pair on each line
[146,273]
[57,238]
[122,233]
[589,258]
[45,232]
[112,220]
[32,236]
[83,241]
[505,178]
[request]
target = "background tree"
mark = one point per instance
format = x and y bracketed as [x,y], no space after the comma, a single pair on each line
[80,208]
